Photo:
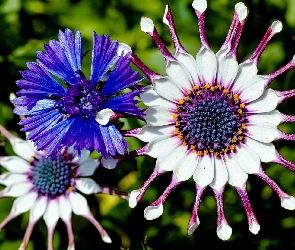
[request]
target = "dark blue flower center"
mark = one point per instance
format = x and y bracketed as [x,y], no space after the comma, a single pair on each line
[210,120]
[81,98]
[51,177]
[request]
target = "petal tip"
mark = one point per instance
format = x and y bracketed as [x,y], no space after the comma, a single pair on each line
[109,163]
[132,198]
[200,5]
[153,212]
[276,26]
[147,25]
[224,231]
[288,202]
[123,49]
[193,226]
[165,14]
[254,228]
[104,116]
[106,239]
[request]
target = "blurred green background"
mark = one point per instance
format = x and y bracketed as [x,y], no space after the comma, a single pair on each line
[25,25]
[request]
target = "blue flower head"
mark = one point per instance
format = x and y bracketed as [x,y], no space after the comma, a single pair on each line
[78,112]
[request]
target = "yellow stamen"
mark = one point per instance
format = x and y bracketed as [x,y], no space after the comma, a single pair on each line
[240,137]
[195,87]
[200,153]
[175,116]
[244,126]
[242,105]
[181,102]
[232,147]
[189,92]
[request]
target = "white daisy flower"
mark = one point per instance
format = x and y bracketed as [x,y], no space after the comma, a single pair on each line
[211,118]
[49,188]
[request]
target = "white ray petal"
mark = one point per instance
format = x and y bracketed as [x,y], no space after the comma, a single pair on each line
[204,173]
[159,147]
[247,159]
[265,151]
[17,189]
[166,88]
[51,214]
[158,116]
[236,176]
[150,98]
[153,212]
[180,75]
[10,178]
[39,208]
[168,159]
[207,66]
[274,117]
[245,73]
[186,167]
[151,133]
[79,204]
[265,103]
[190,63]
[123,48]
[15,164]
[224,231]
[227,71]
[88,167]
[220,174]
[146,24]
[264,132]
[24,203]
[87,186]
[65,208]
[23,148]
[104,116]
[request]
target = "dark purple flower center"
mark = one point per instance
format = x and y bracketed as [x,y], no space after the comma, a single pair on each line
[52,177]
[81,98]
[210,120]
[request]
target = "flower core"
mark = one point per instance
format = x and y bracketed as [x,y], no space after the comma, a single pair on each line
[210,119]
[51,177]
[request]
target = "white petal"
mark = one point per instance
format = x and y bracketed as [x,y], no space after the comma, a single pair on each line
[288,202]
[247,159]
[168,159]
[159,147]
[186,167]
[180,75]
[265,151]
[15,164]
[84,155]
[274,117]
[146,24]
[39,208]
[88,167]
[253,89]
[227,71]
[245,73]
[166,88]
[158,116]
[132,198]
[151,133]
[24,203]
[79,204]
[17,189]
[224,231]
[265,103]
[153,212]
[150,98]
[265,132]
[200,5]
[241,9]
[109,163]
[190,63]
[23,148]
[254,228]
[65,209]
[236,176]
[220,174]
[123,47]
[10,178]
[51,214]
[204,173]
[87,186]
[207,66]
[104,116]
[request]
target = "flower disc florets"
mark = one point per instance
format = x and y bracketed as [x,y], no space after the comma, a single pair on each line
[52,177]
[210,119]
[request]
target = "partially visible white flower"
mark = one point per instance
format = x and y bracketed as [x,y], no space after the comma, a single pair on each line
[210,118]
[49,188]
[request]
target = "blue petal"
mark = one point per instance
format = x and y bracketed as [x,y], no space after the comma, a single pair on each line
[122,77]
[104,56]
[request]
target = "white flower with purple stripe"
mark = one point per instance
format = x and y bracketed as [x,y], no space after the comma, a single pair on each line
[77,111]
[211,118]
[49,188]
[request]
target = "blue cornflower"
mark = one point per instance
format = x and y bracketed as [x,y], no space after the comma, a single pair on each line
[78,112]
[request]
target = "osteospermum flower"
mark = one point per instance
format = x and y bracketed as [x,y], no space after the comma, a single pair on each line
[211,119]
[78,112]
[49,188]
